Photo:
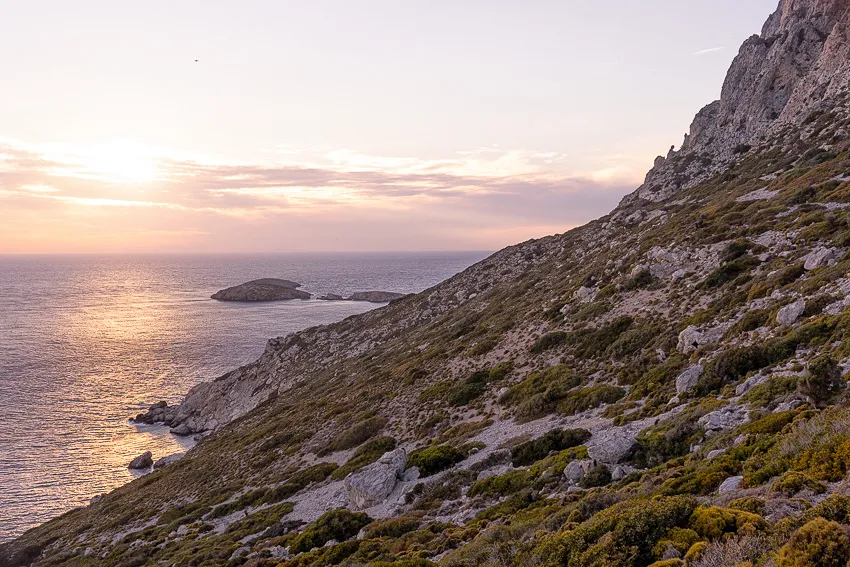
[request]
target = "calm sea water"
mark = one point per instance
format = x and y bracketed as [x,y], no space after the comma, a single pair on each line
[86,341]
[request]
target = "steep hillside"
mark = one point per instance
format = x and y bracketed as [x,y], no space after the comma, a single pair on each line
[664,384]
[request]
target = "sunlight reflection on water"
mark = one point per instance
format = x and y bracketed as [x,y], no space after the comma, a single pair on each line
[89,341]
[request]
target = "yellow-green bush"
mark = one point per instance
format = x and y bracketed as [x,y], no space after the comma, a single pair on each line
[432,460]
[819,543]
[749,504]
[793,482]
[695,552]
[713,522]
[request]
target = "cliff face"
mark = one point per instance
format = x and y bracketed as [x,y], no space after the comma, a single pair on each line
[796,67]
[666,382]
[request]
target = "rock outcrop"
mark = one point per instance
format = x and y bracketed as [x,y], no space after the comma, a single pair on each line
[780,80]
[143,461]
[374,483]
[266,289]
[375,296]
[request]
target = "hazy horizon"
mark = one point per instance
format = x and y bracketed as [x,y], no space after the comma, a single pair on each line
[340,126]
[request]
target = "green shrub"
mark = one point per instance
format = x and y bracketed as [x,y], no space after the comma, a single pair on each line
[470,389]
[549,341]
[511,482]
[539,393]
[554,440]
[393,527]
[793,482]
[432,460]
[366,454]
[729,271]
[819,543]
[338,525]
[591,343]
[356,435]
[624,534]
[642,280]
[822,381]
[749,504]
[589,398]
[713,522]
[598,475]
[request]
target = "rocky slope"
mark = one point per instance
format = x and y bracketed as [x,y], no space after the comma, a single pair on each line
[665,385]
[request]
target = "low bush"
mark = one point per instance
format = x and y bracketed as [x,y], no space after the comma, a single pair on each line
[356,435]
[338,525]
[432,460]
[819,543]
[729,271]
[585,399]
[822,381]
[366,454]
[598,475]
[713,522]
[548,341]
[554,440]
[749,504]
[793,482]
[539,393]
[511,482]
[624,534]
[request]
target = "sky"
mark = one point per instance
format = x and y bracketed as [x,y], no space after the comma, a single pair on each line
[342,125]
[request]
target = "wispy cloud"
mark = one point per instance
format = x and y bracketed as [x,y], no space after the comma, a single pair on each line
[329,199]
[709,50]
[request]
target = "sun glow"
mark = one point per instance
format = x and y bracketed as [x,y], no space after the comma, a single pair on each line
[122,162]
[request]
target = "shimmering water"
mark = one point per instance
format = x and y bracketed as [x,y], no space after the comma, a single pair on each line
[86,341]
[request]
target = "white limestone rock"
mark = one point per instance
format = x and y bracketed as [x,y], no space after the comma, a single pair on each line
[372,484]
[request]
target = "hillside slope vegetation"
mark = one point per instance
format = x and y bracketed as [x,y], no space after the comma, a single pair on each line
[663,386]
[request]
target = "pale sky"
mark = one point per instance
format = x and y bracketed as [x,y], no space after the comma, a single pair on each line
[342,125]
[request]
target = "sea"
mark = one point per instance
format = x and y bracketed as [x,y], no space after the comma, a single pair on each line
[87,341]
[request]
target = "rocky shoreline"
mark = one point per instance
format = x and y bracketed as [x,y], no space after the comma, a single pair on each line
[273,289]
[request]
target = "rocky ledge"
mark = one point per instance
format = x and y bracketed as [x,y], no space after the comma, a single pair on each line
[266,289]
[376,296]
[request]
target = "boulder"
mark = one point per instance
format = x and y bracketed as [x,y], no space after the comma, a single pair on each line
[586,294]
[182,430]
[619,472]
[688,379]
[820,257]
[726,417]
[372,484]
[715,453]
[750,383]
[576,470]
[143,461]
[789,314]
[612,446]
[731,484]
[693,337]
[167,460]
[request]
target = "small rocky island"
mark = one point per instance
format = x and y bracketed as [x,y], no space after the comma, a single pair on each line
[266,289]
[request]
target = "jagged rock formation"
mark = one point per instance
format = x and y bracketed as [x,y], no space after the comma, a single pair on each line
[266,289]
[666,381]
[796,70]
